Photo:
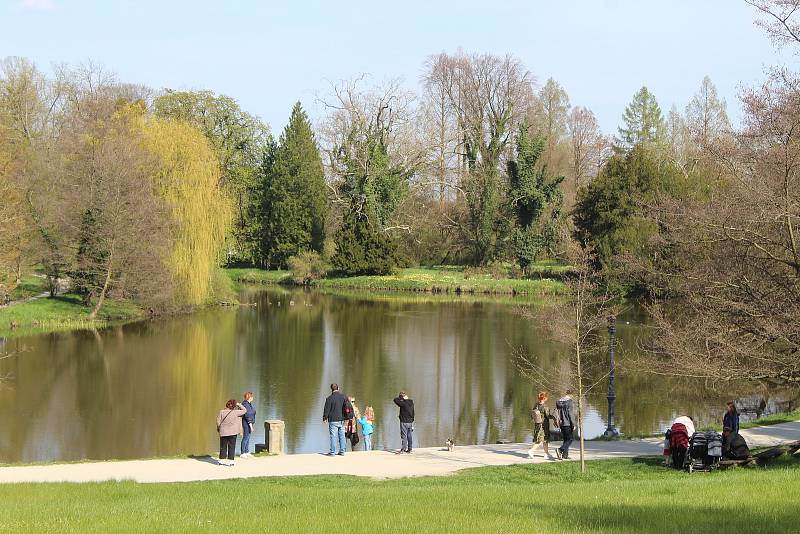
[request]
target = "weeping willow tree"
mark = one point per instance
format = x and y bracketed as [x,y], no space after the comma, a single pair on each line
[188,179]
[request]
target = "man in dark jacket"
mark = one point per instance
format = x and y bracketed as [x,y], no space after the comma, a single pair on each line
[333,414]
[734,447]
[566,421]
[406,422]
[248,422]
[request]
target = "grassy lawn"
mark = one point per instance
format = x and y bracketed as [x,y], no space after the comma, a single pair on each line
[64,312]
[445,279]
[631,495]
[29,287]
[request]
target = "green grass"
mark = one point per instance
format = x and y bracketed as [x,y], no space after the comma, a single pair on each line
[767,420]
[257,276]
[64,312]
[445,279]
[30,286]
[630,495]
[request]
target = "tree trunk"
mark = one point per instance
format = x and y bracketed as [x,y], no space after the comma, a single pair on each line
[102,297]
[580,410]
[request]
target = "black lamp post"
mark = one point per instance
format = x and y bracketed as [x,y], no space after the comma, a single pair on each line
[611,431]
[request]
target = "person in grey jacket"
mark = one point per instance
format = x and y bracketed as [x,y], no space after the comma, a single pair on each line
[229,424]
[566,422]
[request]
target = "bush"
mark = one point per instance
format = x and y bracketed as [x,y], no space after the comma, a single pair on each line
[306,267]
[362,249]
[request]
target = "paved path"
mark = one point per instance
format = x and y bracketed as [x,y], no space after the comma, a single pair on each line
[375,464]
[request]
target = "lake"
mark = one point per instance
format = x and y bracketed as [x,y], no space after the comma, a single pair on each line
[153,388]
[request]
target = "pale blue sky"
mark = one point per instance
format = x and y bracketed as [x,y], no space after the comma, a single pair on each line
[268,54]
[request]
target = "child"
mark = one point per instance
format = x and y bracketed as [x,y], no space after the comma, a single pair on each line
[367,422]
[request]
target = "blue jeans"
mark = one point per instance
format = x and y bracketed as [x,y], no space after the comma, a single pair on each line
[367,442]
[334,428]
[406,436]
[245,437]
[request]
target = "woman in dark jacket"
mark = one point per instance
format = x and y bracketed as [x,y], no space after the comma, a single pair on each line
[731,419]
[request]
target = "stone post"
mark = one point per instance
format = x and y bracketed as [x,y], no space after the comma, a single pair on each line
[273,436]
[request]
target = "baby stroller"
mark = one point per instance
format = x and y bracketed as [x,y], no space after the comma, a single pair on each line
[705,451]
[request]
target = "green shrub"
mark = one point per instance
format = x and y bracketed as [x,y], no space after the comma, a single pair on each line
[307,267]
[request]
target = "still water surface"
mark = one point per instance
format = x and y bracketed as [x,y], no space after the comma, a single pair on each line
[153,388]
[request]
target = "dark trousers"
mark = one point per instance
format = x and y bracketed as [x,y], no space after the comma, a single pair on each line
[678,457]
[227,447]
[566,432]
[406,436]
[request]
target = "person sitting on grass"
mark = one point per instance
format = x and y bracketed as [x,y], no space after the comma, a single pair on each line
[734,447]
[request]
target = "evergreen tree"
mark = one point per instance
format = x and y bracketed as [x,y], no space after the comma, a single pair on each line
[294,201]
[88,275]
[361,247]
[610,213]
[644,123]
[536,200]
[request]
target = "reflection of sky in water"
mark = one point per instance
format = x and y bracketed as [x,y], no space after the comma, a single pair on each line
[154,388]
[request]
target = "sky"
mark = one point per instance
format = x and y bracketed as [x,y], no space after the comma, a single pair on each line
[268,54]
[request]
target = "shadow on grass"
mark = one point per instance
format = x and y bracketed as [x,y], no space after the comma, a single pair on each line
[623,517]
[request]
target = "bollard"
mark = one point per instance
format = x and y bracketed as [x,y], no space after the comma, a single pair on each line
[273,435]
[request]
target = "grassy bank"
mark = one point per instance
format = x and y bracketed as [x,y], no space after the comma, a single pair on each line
[448,279]
[29,286]
[614,496]
[65,312]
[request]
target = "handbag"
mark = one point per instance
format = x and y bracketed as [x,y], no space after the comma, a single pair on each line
[223,420]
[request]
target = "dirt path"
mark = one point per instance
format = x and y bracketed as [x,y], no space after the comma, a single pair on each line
[375,464]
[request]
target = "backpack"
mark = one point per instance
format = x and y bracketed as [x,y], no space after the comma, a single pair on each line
[536,415]
[347,409]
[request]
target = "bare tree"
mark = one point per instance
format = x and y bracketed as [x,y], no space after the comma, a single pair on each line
[779,20]
[106,175]
[361,123]
[734,260]
[489,97]
[706,116]
[440,131]
[579,324]
[584,136]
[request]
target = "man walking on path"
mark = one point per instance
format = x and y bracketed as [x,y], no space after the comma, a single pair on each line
[248,421]
[333,414]
[566,421]
[406,422]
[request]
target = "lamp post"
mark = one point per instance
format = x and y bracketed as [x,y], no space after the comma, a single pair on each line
[611,431]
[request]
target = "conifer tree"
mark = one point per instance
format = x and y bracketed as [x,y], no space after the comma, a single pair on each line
[294,199]
[644,123]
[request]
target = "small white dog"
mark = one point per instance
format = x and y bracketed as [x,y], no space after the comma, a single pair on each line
[451,444]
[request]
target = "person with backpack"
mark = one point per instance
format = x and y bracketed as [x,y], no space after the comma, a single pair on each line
[248,421]
[731,418]
[229,424]
[541,425]
[351,425]
[566,422]
[406,406]
[337,410]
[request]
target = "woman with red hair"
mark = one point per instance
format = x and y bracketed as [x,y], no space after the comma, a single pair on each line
[541,425]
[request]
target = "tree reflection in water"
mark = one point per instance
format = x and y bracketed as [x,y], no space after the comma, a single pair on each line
[153,388]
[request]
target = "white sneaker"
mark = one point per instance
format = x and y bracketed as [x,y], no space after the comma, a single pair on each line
[246,455]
